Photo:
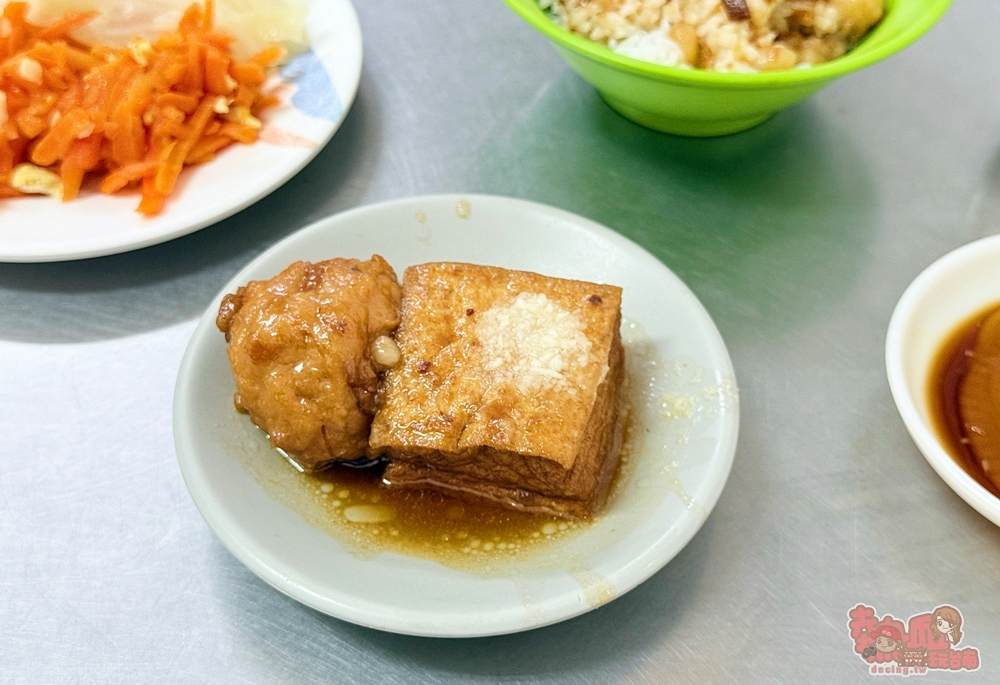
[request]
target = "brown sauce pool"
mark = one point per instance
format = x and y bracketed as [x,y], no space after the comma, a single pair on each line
[964,396]
[465,534]
[426,523]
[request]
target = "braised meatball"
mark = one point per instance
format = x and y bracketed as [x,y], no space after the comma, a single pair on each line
[303,348]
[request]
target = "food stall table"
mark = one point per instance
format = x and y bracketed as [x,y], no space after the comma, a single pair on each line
[798,236]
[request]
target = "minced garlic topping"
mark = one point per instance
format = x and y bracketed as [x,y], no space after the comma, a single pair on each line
[533,343]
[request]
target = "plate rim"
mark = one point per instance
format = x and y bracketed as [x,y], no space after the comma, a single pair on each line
[28,252]
[954,476]
[625,577]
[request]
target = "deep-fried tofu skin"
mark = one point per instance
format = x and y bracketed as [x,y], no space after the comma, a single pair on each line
[509,388]
[301,350]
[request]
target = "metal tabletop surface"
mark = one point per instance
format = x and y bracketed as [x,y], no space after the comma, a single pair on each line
[798,236]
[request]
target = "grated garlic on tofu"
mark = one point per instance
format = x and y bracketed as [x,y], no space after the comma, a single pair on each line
[533,342]
[35,180]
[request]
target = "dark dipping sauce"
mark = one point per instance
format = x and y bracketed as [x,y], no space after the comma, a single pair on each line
[964,396]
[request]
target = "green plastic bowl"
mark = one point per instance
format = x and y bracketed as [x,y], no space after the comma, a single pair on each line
[696,102]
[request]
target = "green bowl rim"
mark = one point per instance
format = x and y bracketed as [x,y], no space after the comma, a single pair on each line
[856,59]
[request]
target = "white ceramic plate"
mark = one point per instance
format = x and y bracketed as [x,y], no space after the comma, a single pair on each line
[323,82]
[944,295]
[680,471]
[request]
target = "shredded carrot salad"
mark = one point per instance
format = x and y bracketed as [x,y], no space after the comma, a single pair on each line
[134,115]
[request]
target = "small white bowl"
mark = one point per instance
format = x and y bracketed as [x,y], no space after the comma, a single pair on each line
[944,295]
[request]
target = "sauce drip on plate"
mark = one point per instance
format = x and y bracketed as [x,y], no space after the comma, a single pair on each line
[964,396]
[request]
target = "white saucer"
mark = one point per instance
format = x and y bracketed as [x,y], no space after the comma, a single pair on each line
[944,295]
[322,83]
[681,466]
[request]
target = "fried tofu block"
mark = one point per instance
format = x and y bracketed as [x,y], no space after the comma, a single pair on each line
[304,349]
[509,388]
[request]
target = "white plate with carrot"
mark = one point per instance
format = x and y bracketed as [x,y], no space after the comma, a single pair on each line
[160,136]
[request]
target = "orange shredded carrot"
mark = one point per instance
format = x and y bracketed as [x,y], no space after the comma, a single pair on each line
[171,167]
[135,115]
[240,132]
[268,56]
[54,144]
[124,176]
[180,101]
[66,25]
[152,200]
[205,149]
[7,157]
[81,156]
[217,71]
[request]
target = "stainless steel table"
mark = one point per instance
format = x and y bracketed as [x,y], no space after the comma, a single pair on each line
[798,236]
